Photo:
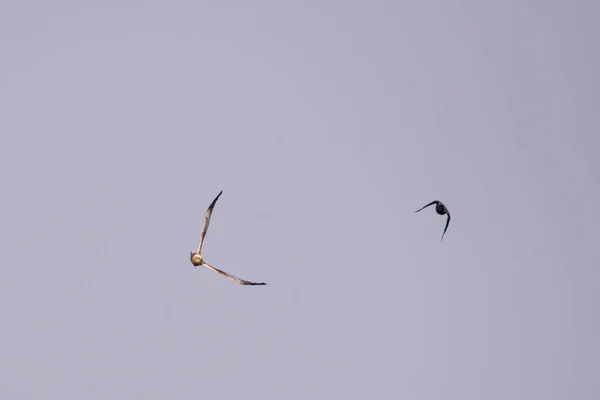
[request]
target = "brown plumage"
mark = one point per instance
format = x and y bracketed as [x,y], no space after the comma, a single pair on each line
[197,259]
[441,209]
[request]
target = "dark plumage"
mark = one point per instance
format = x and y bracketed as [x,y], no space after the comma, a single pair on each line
[441,209]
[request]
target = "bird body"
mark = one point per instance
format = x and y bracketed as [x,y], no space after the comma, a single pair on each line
[441,209]
[196,259]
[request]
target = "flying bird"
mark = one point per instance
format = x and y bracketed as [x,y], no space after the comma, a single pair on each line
[441,209]
[197,259]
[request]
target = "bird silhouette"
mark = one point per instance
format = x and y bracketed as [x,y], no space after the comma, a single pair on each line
[198,260]
[441,209]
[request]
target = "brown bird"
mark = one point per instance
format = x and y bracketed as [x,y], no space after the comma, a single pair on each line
[197,259]
[441,209]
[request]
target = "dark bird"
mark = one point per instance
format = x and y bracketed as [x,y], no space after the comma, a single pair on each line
[441,209]
[197,259]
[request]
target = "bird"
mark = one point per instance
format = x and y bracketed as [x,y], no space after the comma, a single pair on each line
[441,209]
[198,260]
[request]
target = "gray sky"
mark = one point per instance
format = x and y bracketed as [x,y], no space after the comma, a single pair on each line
[326,124]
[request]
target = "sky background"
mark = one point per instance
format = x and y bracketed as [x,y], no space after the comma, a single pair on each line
[326,124]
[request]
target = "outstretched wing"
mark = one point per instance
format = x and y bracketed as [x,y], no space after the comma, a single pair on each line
[233,278]
[207,222]
[447,223]
[436,202]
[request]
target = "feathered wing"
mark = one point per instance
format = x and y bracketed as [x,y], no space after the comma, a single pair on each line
[233,278]
[207,222]
[432,203]
[447,223]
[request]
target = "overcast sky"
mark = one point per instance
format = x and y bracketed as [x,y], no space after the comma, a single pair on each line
[326,124]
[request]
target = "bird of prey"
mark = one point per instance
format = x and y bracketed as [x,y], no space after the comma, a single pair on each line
[441,209]
[197,259]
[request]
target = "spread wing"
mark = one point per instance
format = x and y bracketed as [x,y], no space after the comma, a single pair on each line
[447,223]
[207,222]
[233,278]
[436,202]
